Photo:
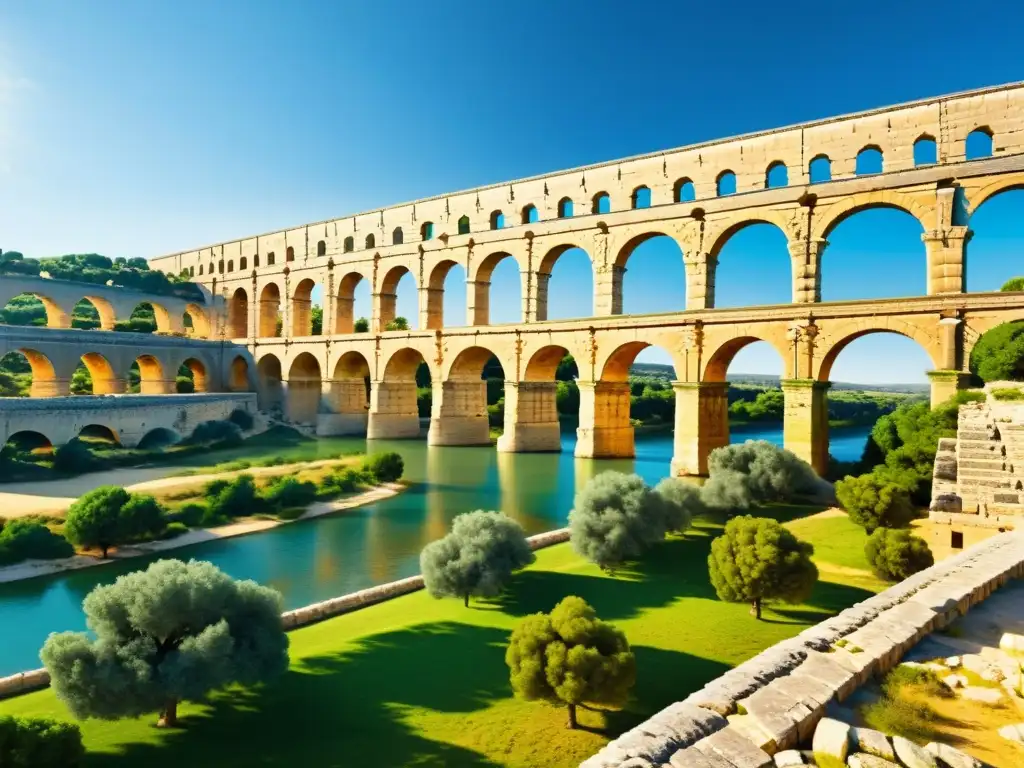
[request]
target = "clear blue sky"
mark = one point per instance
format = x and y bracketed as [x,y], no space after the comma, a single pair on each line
[140,128]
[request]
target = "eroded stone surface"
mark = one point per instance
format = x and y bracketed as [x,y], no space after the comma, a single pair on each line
[832,738]
[872,742]
[911,755]
[953,757]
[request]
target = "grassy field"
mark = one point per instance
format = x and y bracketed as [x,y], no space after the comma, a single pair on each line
[416,681]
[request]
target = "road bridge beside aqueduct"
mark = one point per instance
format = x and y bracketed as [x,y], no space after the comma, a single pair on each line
[805,180]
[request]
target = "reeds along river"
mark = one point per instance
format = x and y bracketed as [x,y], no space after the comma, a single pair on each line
[371,545]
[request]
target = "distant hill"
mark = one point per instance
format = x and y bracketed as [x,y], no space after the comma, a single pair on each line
[763,380]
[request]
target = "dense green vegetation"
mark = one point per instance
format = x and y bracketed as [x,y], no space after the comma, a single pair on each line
[100,270]
[999,354]
[39,743]
[420,681]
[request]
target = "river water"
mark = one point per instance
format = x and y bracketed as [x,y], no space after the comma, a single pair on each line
[371,545]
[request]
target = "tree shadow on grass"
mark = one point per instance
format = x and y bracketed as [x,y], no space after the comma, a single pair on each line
[343,709]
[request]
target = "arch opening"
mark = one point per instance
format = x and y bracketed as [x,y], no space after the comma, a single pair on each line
[925,151]
[200,382]
[463,225]
[752,248]
[820,169]
[302,403]
[95,376]
[146,317]
[89,314]
[869,161]
[271,385]
[19,377]
[777,175]
[655,275]
[31,309]
[978,144]
[725,184]
[997,233]
[353,306]
[398,301]
[684,191]
[158,439]
[147,375]
[567,273]
[641,197]
[565,208]
[447,291]
[307,310]
[496,291]
[270,311]
[99,436]
[497,220]
[427,230]
[195,318]
[530,214]
[238,375]
[601,203]
[27,446]
[871,241]
[238,314]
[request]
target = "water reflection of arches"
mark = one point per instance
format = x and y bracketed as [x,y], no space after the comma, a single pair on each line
[303,395]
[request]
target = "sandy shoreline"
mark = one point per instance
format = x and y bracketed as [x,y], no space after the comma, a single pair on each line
[33,568]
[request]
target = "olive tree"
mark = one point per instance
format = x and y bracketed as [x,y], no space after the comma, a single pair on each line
[109,515]
[173,632]
[681,503]
[477,557]
[896,554]
[873,501]
[756,472]
[616,517]
[756,559]
[570,657]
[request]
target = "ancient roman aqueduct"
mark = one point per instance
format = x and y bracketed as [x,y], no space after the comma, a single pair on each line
[804,179]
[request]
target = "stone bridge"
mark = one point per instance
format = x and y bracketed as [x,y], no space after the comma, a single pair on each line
[127,418]
[937,159]
[54,354]
[59,297]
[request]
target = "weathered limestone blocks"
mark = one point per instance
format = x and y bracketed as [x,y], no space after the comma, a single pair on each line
[393,413]
[701,425]
[459,414]
[777,700]
[952,757]
[604,431]
[531,418]
[805,427]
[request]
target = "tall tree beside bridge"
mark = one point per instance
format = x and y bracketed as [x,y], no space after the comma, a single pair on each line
[171,633]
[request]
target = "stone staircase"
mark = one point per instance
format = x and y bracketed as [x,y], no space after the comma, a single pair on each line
[981,471]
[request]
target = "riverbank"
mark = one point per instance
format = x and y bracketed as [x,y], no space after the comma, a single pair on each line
[431,679]
[30,569]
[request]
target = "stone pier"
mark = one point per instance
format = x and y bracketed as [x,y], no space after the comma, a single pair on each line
[604,431]
[345,401]
[805,425]
[459,414]
[531,418]
[702,424]
[393,413]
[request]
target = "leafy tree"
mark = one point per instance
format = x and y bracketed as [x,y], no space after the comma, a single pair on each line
[75,457]
[682,503]
[173,632]
[95,520]
[316,315]
[567,369]
[570,657]
[756,559]
[477,558]
[142,517]
[766,472]
[216,431]
[1013,284]
[362,325]
[242,419]
[998,354]
[287,492]
[616,517]
[236,498]
[23,538]
[567,398]
[30,742]
[385,467]
[398,324]
[896,554]
[873,501]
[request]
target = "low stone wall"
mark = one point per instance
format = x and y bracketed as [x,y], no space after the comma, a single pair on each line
[23,682]
[773,701]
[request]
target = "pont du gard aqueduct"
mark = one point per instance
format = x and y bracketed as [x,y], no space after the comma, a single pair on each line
[254,331]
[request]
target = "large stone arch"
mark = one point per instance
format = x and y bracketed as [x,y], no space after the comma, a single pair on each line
[393,408]
[977,195]
[238,314]
[346,397]
[925,332]
[104,379]
[302,401]
[200,320]
[401,365]
[459,407]
[202,378]
[466,362]
[387,294]
[104,308]
[434,311]
[831,216]
[44,376]
[269,310]
[302,308]
[240,375]
[479,277]
[344,314]
[57,316]
[542,364]
[543,275]
[720,352]
[721,231]
[153,379]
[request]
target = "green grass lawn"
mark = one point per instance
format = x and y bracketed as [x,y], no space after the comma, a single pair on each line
[417,681]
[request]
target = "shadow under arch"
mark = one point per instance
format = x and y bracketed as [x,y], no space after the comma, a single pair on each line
[100,433]
[26,441]
[238,314]
[101,373]
[238,375]
[270,311]
[346,399]
[43,378]
[152,380]
[302,402]
[271,385]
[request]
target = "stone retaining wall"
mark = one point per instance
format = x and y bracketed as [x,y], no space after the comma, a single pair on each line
[773,701]
[23,682]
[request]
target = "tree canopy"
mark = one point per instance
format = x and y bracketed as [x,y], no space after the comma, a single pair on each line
[873,501]
[109,515]
[570,657]
[998,355]
[477,557]
[756,559]
[757,472]
[616,517]
[173,632]
[896,554]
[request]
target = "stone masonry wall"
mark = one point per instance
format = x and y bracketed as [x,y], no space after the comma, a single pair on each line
[773,701]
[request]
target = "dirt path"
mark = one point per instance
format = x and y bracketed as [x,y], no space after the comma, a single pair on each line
[31,568]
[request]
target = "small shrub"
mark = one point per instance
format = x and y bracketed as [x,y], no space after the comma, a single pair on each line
[220,432]
[874,501]
[28,742]
[212,518]
[173,530]
[683,502]
[386,467]
[183,385]
[143,517]
[1008,393]
[289,492]
[24,538]
[190,514]
[75,457]
[896,554]
[239,498]
[215,487]
[768,472]
[275,461]
[615,518]
[242,419]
